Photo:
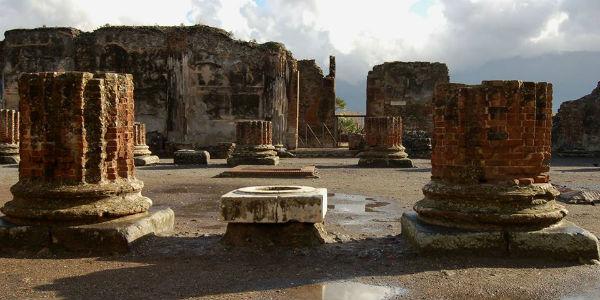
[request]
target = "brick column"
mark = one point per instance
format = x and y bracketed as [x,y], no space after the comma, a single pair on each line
[384,143]
[141,152]
[76,150]
[254,141]
[491,155]
[9,136]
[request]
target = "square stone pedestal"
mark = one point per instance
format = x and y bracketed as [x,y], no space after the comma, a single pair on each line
[145,160]
[563,241]
[275,215]
[114,236]
[191,157]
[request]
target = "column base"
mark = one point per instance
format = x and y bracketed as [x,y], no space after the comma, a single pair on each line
[114,236]
[145,160]
[191,157]
[562,241]
[383,162]
[249,160]
[9,159]
[292,234]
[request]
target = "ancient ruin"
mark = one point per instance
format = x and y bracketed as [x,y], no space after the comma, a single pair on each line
[576,130]
[317,104]
[275,215]
[405,89]
[77,187]
[142,156]
[270,172]
[191,157]
[384,144]
[254,144]
[490,188]
[192,82]
[9,136]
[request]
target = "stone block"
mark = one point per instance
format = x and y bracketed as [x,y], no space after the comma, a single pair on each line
[191,157]
[107,237]
[145,160]
[563,241]
[274,204]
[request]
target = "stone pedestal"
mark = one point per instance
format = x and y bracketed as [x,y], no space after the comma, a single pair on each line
[280,215]
[142,156]
[254,144]
[77,155]
[191,157]
[9,136]
[384,144]
[489,188]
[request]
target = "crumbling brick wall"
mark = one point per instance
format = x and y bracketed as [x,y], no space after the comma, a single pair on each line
[317,101]
[77,127]
[576,130]
[192,83]
[493,132]
[405,89]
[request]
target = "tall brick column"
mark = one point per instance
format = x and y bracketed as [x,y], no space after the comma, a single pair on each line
[384,144]
[490,163]
[254,144]
[9,136]
[76,150]
[141,152]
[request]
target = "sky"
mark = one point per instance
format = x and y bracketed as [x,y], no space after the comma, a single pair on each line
[540,40]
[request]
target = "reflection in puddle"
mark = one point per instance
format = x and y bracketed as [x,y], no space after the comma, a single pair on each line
[353,203]
[592,294]
[347,291]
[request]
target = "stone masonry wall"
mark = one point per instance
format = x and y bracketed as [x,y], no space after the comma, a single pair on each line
[77,127]
[192,83]
[504,135]
[405,89]
[576,130]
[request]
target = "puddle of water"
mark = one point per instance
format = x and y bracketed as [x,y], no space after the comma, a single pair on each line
[347,291]
[356,204]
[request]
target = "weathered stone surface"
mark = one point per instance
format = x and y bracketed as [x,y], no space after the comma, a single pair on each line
[254,144]
[76,150]
[405,89]
[292,234]
[384,144]
[142,156]
[221,150]
[274,204]
[270,172]
[576,130]
[9,136]
[192,82]
[563,241]
[417,143]
[317,101]
[106,237]
[580,197]
[191,157]
[356,141]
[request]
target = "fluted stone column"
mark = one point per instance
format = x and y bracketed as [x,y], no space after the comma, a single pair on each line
[490,183]
[77,160]
[384,144]
[9,136]
[142,156]
[254,144]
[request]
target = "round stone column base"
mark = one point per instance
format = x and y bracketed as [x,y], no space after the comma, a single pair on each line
[141,150]
[254,155]
[145,160]
[490,206]
[42,204]
[387,158]
[292,234]
[9,154]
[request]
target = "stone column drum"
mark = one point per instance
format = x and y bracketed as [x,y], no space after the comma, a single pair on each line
[141,152]
[254,144]
[384,144]
[9,136]
[489,188]
[77,160]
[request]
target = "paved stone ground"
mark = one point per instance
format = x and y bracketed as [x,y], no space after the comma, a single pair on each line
[192,264]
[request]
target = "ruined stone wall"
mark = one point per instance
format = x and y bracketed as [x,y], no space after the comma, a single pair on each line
[317,96]
[405,89]
[576,130]
[498,131]
[192,83]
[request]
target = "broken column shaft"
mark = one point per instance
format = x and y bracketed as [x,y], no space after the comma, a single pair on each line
[491,155]
[9,136]
[141,152]
[384,144]
[254,144]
